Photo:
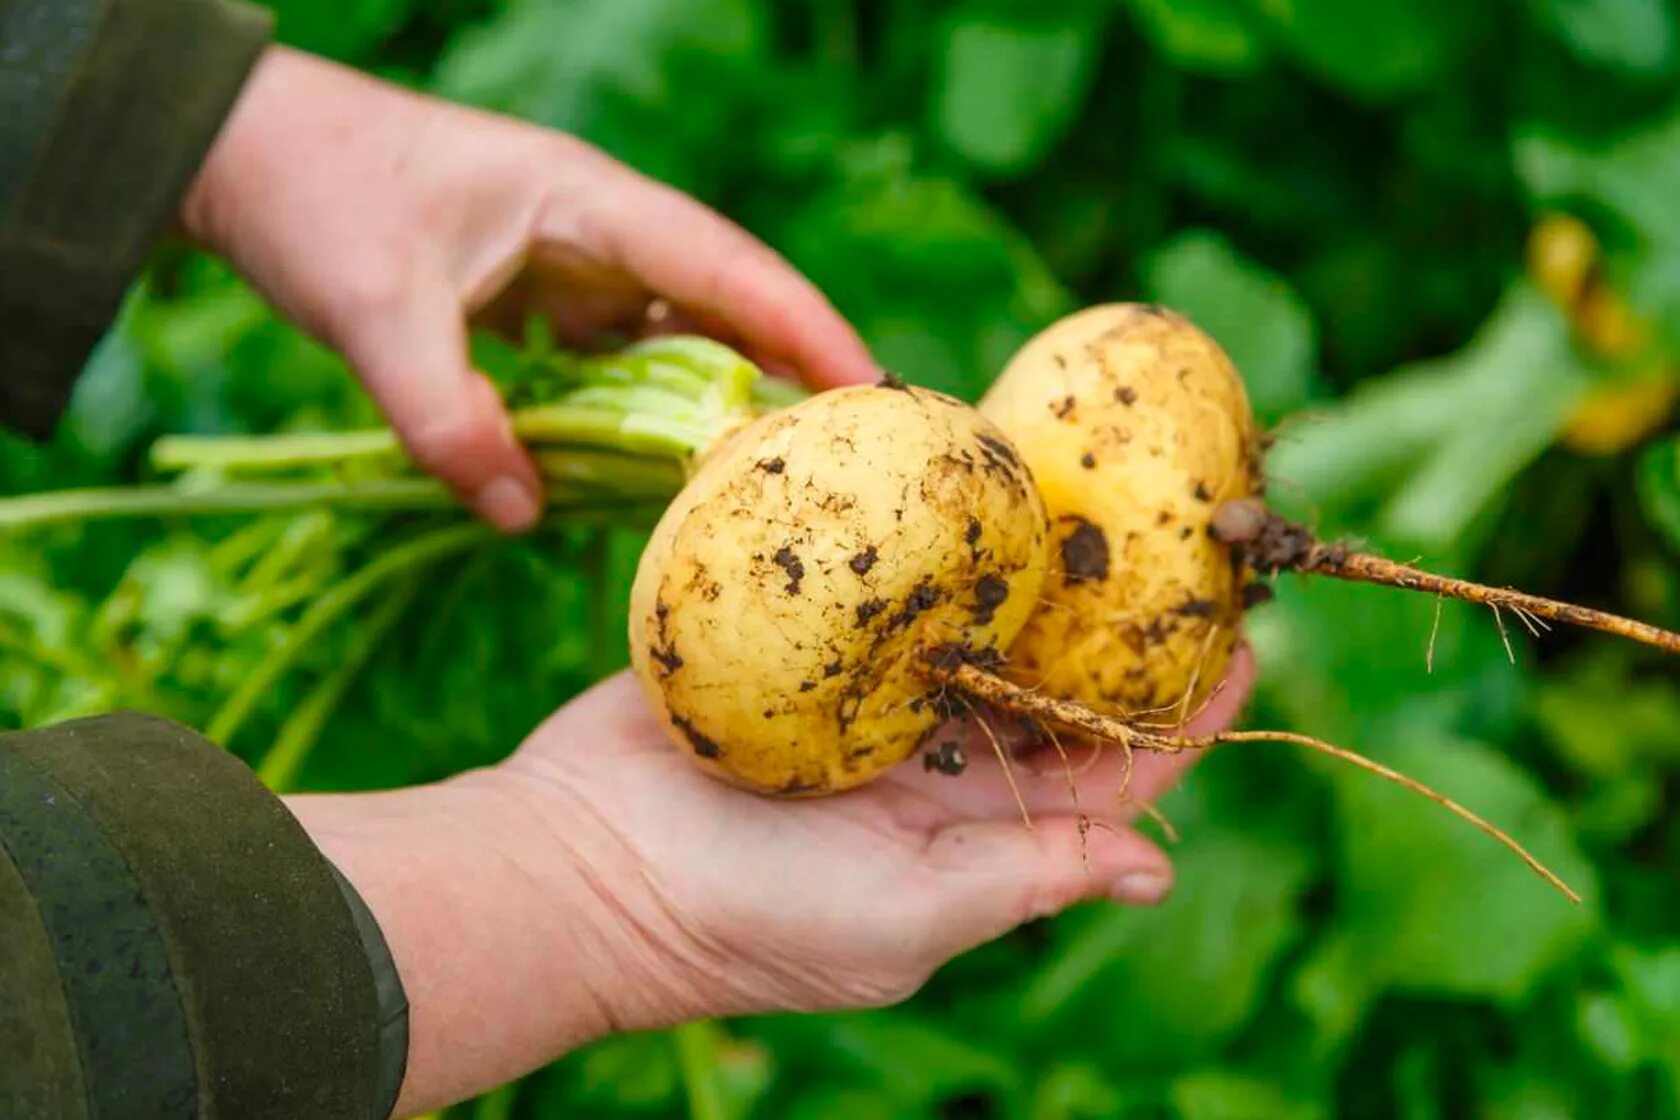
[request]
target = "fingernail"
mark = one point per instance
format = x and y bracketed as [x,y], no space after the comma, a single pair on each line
[507,504]
[1141,888]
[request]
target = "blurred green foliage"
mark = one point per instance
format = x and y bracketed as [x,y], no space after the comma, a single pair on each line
[1343,194]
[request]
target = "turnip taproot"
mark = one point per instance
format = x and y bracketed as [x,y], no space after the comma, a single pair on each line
[787,603]
[1137,427]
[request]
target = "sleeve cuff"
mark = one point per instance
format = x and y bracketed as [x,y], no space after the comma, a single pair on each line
[196,929]
[117,107]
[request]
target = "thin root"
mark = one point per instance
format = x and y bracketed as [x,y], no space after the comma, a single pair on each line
[1434,632]
[1196,674]
[1003,759]
[1073,795]
[1154,813]
[971,680]
[1499,621]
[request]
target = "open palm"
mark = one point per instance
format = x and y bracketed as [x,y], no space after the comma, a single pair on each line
[732,903]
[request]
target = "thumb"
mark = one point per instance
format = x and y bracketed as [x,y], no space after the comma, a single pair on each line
[409,347]
[996,875]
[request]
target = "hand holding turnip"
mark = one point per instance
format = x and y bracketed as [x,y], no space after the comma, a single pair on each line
[380,220]
[598,882]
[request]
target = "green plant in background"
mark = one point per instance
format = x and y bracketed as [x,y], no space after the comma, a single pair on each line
[1441,240]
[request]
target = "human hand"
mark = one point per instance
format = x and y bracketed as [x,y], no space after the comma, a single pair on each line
[382,222]
[598,882]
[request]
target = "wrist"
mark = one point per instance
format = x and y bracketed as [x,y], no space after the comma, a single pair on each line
[511,944]
[295,111]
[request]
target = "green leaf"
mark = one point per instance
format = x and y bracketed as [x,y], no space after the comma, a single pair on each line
[1334,988]
[1435,906]
[1633,176]
[1443,439]
[1659,488]
[1604,721]
[942,287]
[341,29]
[1376,49]
[827,1102]
[1251,312]
[1607,1027]
[1006,92]
[1194,969]
[1220,1094]
[656,82]
[1076,1091]
[1208,36]
[1635,36]
[915,1062]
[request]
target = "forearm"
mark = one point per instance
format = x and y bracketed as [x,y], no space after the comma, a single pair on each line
[502,946]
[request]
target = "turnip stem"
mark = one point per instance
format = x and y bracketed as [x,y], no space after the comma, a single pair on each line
[263,454]
[981,684]
[298,735]
[54,506]
[334,603]
[574,479]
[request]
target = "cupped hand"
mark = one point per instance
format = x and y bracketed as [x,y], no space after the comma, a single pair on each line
[383,222]
[597,881]
[725,902]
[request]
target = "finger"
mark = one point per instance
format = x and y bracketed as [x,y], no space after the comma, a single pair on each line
[701,261]
[407,341]
[989,877]
[1104,781]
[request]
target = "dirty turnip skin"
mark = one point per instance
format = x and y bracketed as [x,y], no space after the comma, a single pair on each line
[1136,426]
[783,605]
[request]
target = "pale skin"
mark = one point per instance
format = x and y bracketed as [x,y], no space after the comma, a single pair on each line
[596,881]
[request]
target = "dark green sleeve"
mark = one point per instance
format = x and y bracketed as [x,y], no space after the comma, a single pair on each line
[107,108]
[172,944]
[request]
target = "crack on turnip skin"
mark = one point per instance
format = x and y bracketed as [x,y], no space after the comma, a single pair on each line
[1084,553]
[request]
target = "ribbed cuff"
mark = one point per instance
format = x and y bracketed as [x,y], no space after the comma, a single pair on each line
[209,956]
